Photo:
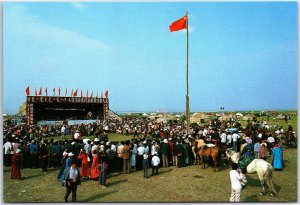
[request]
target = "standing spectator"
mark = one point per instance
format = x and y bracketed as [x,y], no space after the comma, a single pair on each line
[43,157]
[33,154]
[69,162]
[72,179]
[56,152]
[236,187]
[257,149]
[120,156]
[277,157]
[63,132]
[155,163]
[102,170]
[16,165]
[229,139]
[94,167]
[8,148]
[63,165]
[84,164]
[165,152]
[139,159]
[133,155]
[145,165]
[235,137]
[126,157]
[179,151]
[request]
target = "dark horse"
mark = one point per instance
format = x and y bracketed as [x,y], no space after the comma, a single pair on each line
[290,138]
[213,152]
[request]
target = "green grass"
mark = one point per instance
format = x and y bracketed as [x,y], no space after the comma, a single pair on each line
[188,184]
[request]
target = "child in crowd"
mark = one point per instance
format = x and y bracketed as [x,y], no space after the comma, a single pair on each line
[102,167]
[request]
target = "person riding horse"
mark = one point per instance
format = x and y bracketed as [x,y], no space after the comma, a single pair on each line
[247,157]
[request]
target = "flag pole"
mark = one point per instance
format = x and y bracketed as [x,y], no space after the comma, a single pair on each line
[187,77]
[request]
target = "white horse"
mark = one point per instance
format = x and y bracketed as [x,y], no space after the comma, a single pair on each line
[263,169]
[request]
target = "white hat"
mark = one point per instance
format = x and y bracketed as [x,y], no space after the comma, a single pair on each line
[70,154]
[72,143]
[145,156]
[170,139]
[145,142]
[96,140]
[165,141]
[107,143]
[65,153]
[18,151]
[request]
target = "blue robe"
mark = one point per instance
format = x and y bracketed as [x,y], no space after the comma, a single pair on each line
[277,158]
[68,164]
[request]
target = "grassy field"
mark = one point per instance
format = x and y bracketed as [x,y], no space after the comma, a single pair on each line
[188,184]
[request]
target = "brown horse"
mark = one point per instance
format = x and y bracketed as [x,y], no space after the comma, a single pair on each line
[207,152]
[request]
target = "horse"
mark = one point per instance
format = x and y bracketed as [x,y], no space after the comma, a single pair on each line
[212,152]
[263,169]
[290,137]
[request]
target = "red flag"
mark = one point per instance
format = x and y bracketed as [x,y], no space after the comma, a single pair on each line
[27,91]
[66,92]
[53,91]
[40,93]
[106,94]
[87,93]
[91,95]
[75,93]
[35,93]
[179,24]
[46,91]
[81,93]
[58,91]
[72,93]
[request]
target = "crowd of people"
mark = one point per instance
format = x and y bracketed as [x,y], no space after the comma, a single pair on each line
[90,155]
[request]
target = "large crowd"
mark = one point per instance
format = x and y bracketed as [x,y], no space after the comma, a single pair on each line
[34,147]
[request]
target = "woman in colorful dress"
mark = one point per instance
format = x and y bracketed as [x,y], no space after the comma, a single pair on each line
[277,157]
[84,173]
[16,165]
[94,168]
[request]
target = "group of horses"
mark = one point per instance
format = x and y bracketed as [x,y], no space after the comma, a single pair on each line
[263,169]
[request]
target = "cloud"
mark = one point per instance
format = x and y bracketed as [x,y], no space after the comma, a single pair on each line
[22,23]
[79,5]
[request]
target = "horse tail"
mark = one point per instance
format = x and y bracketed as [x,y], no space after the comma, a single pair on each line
[269,181]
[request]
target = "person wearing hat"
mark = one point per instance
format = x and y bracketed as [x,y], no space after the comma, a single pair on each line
[165,152]
[63,165]
[72,179]
[16,165]
[69,161]
[155,163]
